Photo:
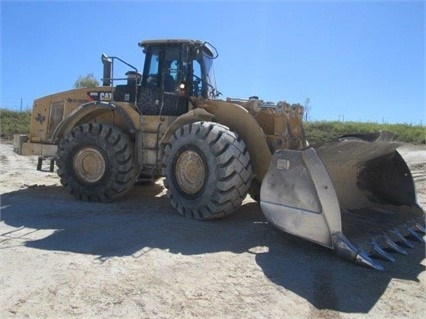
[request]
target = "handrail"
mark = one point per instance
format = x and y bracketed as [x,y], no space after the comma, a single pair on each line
[109,63]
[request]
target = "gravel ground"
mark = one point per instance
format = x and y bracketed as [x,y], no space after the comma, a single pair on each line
[136,258]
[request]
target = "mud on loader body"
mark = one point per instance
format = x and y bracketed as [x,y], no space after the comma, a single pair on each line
[355,195]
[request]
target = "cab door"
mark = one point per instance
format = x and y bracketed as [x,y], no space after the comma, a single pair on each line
[174,75]
[164,72]
[150,92]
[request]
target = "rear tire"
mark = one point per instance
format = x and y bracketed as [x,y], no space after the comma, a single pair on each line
[96,162]
[207,170]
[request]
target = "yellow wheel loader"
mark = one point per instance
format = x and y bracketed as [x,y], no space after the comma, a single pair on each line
[354,195]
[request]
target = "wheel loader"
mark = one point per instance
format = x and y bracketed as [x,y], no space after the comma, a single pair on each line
[354,195]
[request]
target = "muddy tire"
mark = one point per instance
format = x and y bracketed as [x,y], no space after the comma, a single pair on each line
[207,170]
[96,162]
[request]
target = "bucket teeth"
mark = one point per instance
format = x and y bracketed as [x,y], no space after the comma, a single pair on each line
[345,249]
[384,242]
[419,227]
[390,244]
[377,246]
[376,250]
[364,259]
[413,234]
[400,238]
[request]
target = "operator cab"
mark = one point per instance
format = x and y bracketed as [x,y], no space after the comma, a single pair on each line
[173,71]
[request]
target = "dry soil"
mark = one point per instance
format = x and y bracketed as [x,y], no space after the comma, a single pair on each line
[137,258]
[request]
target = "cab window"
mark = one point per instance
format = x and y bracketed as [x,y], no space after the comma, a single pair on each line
[152,79]
[173,71]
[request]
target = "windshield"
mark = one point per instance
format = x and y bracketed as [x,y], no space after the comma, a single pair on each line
[210,77]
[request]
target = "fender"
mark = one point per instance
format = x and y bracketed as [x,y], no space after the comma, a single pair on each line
[124,110]
[192,116]
[238,120]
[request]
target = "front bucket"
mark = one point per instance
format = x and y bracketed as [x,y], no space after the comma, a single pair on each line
[355,196]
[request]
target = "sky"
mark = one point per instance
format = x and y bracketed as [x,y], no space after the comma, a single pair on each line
[354,60]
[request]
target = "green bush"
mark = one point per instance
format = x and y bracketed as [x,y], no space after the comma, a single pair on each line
[13,122]
[322,131]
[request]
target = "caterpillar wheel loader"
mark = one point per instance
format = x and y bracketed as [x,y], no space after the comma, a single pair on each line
[354,195]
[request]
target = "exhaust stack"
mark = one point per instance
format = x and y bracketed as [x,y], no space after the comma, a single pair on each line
[106,78]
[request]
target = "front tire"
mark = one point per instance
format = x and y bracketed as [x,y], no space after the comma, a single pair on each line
[95,162]
[207,170]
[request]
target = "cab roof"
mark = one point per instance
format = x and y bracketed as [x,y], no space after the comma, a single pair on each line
[169,41]
[207,47]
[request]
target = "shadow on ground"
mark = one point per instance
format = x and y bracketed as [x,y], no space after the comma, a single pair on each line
[145,219]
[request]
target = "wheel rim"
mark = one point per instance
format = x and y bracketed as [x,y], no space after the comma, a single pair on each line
[190,172]
[89,165]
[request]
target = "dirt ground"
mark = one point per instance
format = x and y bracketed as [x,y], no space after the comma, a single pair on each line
[137,258]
